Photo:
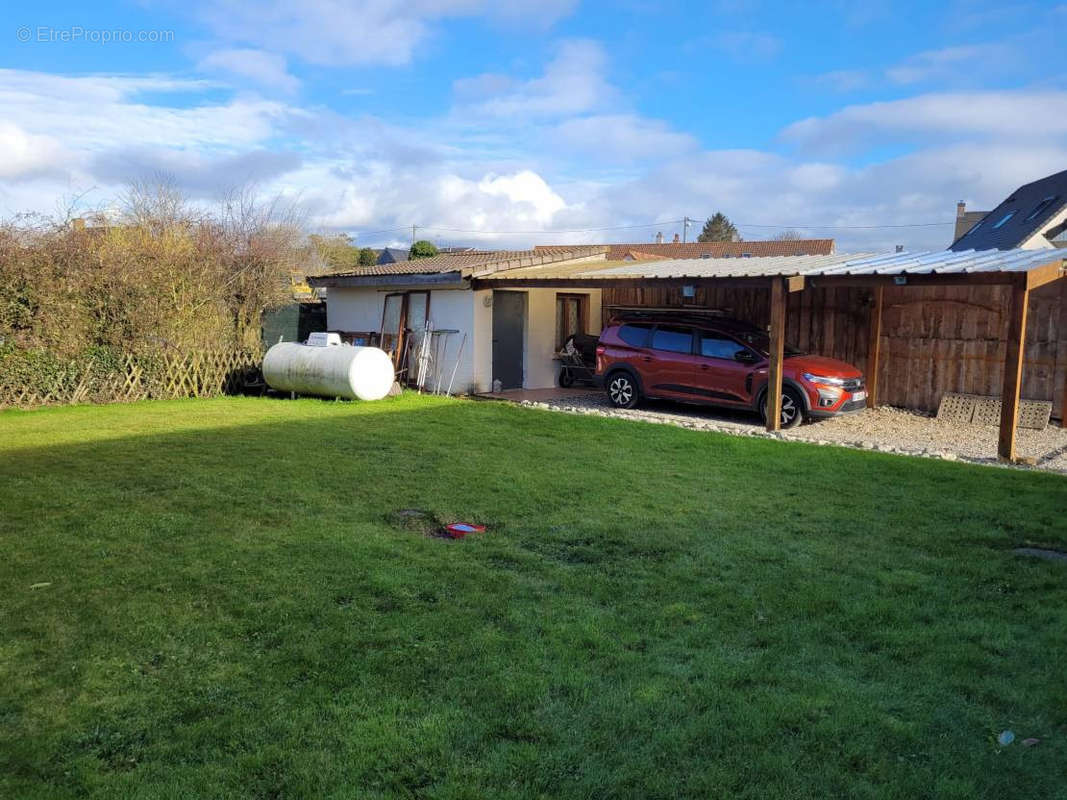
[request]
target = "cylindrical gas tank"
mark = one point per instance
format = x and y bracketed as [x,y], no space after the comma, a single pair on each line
[363,373]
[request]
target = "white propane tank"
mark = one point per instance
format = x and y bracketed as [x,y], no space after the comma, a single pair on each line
[363,373]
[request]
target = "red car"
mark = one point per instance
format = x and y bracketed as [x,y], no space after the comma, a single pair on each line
[721,362]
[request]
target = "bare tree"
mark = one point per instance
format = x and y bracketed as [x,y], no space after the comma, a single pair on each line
[262,242]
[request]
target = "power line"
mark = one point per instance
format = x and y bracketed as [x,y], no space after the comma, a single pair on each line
[847,227]
[661,223]
[386,230]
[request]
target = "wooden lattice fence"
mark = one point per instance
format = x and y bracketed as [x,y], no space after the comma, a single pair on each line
[126,378]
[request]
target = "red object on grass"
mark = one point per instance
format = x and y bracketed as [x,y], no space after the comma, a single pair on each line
[457,530]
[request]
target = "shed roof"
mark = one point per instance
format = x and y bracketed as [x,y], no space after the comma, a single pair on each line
[676,250]
[462,265]
[937,262]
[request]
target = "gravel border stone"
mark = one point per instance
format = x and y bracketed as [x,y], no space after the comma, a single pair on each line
[884,429]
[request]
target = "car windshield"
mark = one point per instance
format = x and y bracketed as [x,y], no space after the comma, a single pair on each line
[761,343]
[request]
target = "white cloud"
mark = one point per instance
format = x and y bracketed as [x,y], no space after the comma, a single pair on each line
[438,201]
[267,69]
[1022,114]
[347,32]
[76,134]
[622,137]
[536,153]
[954,64]
[755,188]
[100,112]
[748,45]
[844,80]
[573,82]
[959,66]
[24,154]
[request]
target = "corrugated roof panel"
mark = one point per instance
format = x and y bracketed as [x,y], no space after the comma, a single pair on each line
[905,263]
[769,266]
[947,261]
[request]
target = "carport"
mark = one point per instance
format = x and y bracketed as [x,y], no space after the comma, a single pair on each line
[1013,274]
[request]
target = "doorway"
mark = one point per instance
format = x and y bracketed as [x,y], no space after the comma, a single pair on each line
[509,318]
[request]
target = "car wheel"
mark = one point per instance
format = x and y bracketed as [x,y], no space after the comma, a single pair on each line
[566,379]
[622,390]
[792,407]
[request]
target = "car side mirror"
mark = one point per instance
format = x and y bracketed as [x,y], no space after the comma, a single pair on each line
[745,357]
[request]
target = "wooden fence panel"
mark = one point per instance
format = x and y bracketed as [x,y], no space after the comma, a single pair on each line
[934,339]
[167,376]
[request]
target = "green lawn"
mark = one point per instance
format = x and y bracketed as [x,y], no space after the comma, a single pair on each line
[233,608]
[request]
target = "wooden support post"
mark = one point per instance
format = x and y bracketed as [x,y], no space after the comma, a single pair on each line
[777,354]
[874,347]
[1061,357]
[1013,371]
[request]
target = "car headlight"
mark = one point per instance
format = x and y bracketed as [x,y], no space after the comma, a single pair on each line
[823,379]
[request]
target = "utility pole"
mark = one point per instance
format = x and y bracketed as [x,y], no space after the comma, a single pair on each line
[685,228]
[413,234]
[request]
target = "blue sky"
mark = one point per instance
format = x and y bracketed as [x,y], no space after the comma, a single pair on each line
[545,120]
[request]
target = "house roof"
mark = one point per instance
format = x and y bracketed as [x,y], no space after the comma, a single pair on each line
[477,263]
[966,221]
[635,255]
[776,247]
[1028,211]
[391,254]
[937,262]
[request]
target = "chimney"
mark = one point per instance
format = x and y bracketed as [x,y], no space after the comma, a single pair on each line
[676,239]
[659,238]
[900,248]
[961,209]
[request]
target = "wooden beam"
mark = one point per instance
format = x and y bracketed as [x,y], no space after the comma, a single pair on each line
[796,282]
[874,347]
[1061,357]
[777,354]
[1013,371]
[571,284]
[1046,273]
[930,279]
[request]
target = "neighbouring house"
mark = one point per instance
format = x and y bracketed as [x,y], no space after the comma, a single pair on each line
[508,336]
[637,251]
[965,220]
[392,255]
[1032,217]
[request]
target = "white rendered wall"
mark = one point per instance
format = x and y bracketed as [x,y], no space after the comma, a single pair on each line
[361,309]
[540,370]
[482,352]
[354,309]
[452,309]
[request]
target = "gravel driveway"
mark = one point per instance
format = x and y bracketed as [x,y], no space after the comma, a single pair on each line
[886,429]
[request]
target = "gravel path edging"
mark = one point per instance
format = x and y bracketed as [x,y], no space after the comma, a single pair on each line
[796,435]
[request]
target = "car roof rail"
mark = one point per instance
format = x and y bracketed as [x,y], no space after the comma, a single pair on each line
[691,316]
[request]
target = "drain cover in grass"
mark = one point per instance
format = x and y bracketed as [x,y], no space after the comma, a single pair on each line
[415,520]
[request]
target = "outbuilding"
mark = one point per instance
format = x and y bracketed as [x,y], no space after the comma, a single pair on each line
[504,338]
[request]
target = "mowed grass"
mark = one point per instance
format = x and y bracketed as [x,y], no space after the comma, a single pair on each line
[231,610]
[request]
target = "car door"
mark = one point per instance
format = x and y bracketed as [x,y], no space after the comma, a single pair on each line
[724,368]
[671,369]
